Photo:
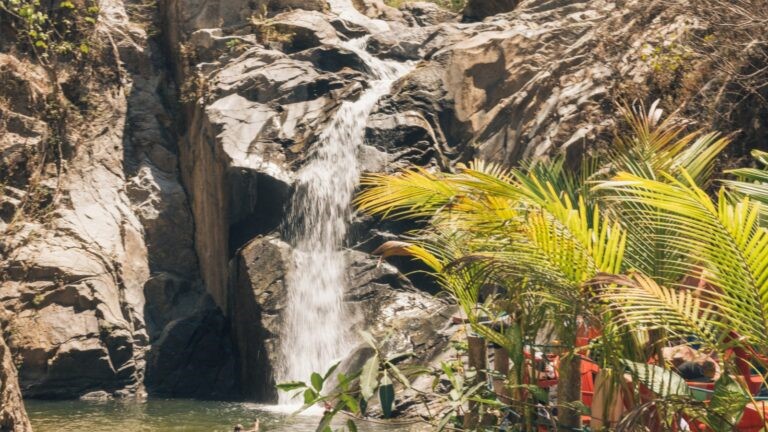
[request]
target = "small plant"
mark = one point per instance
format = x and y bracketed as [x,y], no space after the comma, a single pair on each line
[268,32]
[50,32]
[234,45]
[353,392]
[38,300]
[669,62]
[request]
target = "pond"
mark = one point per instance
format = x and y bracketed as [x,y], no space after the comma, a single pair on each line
[170,415]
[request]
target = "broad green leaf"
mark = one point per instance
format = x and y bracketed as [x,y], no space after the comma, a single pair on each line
[399,375]
[325,422]
[368,377]
[369,339]
[351,403]
[317,381]
[727,405]
[310,396]
[291,385]
[351,426]
[330,371]
[660,381]
[386,395]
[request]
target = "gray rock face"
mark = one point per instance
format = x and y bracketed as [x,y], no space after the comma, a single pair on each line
[534,82]
[258,298]
[426,14]
[115,222]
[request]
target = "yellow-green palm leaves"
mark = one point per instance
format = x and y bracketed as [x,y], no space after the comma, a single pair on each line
[531,224]
[719,242]
[753,182]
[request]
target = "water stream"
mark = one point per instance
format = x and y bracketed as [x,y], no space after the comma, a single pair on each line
[316,325]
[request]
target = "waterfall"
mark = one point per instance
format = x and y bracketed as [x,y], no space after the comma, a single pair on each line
[315,329]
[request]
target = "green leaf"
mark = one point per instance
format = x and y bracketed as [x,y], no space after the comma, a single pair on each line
[398,356]
[488,402]
[351,403]
[727,405]
[85,49]
[386,395]
[291,385]
[330,371]
[351,426]
[660,381]
[317,381]
[325,422]
[66,4]
[399,375]
[368,378]
[343,381]
[444,421]
[369,339]
[310,396]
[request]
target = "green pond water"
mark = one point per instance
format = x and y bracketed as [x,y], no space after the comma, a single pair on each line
[169,415]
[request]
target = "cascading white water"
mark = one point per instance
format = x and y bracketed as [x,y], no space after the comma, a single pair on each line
[314,328]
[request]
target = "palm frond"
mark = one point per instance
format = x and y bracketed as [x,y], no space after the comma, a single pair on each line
[411,193]
[722,238]
[638,302]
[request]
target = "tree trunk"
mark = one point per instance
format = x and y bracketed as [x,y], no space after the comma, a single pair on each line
[501,365]
[569,391]
[477,360]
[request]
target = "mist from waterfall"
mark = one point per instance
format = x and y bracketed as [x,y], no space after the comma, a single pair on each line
[316,326]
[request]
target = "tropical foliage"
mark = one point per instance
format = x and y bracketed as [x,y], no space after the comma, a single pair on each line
[638,242]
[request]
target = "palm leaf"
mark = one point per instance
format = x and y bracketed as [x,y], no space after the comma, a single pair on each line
[722,238]
[638,302]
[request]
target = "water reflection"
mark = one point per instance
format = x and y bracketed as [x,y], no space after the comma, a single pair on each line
[166,415]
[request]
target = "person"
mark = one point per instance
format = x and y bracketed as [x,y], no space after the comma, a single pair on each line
[697,371]
[239,427]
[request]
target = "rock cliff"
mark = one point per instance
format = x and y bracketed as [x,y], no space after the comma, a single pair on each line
[13,417]
[148,255]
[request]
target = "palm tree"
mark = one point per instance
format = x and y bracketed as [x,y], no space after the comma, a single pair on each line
[542,234]
[520,230]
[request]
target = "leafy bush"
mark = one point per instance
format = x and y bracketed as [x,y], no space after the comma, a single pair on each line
[65,28]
